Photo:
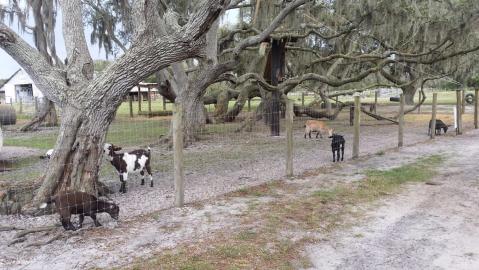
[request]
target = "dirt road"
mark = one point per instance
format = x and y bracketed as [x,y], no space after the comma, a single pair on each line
[424,227]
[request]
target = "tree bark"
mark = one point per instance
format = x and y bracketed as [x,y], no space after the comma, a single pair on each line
[77,157]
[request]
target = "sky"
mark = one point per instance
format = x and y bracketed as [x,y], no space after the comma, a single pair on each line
[8,66]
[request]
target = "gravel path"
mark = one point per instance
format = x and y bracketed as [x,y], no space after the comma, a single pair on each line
[425,227]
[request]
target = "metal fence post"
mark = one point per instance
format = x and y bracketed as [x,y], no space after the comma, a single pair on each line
[401,122]
[433,118]
[476,99]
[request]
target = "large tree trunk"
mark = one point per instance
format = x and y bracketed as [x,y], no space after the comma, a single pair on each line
[77,156]
[47,114]
[409,92]
[194,115]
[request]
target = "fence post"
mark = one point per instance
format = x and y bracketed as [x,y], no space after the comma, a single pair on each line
[419,107]
[178,155]
[164,103]
[375,101]
[357,115]
[130,103]
[149,102]
[401,122]
[21,106]
[433,117]
[302,99]
[476,99]
[289,137]
[458,112]
[140,97]
[36,104]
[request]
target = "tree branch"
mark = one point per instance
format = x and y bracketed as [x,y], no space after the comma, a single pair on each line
[50,79]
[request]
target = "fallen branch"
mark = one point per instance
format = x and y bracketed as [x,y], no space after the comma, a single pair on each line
[44,243]
[378,117]
[16,241]
[35,230]
[10,228]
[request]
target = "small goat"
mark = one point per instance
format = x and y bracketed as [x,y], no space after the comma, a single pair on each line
[439,125]
[131,162]
[80,203]
[337,144]
[48,154]
[318,127]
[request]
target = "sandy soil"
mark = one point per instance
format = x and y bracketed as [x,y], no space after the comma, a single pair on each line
[425,227]
[144,229]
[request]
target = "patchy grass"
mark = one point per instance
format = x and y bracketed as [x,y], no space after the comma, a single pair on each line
[265,244]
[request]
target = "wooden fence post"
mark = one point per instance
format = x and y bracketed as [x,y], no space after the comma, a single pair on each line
[433,117]
[36,104]
[21,106]
[419,107]
[401,122]
[140,97]
[130,103]
[289,137]
[178,155]
[149,101]
[476,99]
[458,112]
[302,99]
[375,101]
[357,115]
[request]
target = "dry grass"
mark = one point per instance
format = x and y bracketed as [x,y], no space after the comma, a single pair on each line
[263,241]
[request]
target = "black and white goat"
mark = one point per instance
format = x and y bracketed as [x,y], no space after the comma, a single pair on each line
[131,162]
[337,144]
[48,154]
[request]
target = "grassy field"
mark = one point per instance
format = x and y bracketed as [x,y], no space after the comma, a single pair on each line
[141,130]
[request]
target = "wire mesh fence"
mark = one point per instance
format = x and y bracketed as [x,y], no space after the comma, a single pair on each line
[225,156]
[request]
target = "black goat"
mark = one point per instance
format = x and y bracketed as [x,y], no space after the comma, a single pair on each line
[80,203]
[439,125]
[337,144]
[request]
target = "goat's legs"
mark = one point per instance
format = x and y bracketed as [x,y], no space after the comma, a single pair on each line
[342,152]
[148,169]
[81,218]
[66,223]
[93,216]
[123,178]
[142,173]
[334,155]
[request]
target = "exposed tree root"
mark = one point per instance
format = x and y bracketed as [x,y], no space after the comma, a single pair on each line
[35,230]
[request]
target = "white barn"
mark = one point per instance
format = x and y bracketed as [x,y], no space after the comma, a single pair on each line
[19,85]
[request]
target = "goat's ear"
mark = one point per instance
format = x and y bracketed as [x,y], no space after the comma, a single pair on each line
[115,148]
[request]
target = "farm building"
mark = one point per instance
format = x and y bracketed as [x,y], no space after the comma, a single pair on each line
[19,85]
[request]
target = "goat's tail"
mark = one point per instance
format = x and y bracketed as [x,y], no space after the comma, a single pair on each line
[49,201]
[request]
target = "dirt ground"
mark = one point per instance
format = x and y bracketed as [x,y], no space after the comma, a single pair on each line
[425,227]
[149,225]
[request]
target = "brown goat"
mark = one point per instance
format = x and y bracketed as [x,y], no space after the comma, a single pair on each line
[318,127]
[80,203]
